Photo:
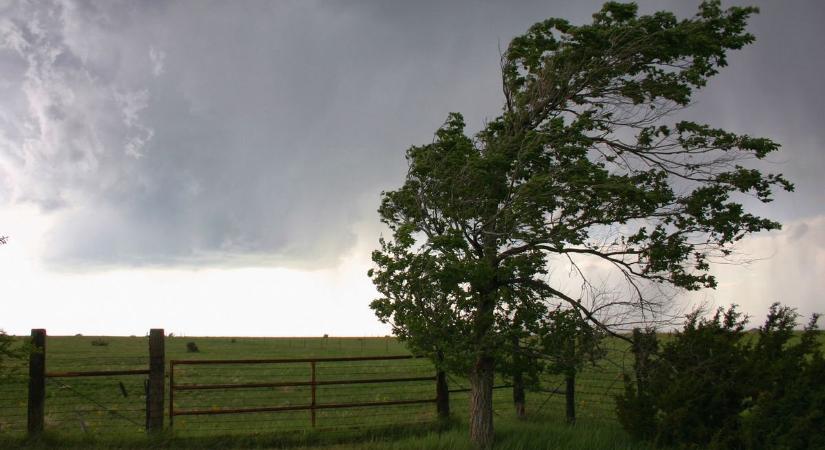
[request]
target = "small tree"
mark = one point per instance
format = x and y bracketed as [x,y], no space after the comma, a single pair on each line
[584,163]
[570,342]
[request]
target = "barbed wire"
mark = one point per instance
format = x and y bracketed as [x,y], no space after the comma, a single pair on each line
[92,400]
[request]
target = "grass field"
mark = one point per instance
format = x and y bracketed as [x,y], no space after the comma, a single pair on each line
[111,409]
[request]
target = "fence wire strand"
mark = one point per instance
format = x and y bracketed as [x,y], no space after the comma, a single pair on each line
[116,404]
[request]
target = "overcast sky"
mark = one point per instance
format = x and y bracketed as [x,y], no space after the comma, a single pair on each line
[215,167]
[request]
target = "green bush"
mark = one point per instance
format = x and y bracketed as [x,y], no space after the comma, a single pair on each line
[789,407]
[712,386]
[100,342]
[635,408]
[12,354]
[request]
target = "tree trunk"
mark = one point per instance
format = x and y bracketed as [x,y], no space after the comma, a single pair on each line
[481,403]
[570,396]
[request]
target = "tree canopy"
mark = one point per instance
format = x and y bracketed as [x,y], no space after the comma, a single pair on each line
[587,167]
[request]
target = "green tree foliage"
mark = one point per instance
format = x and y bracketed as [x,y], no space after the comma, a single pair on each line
[9,351]
[586,164]
[713,385]
[12,353]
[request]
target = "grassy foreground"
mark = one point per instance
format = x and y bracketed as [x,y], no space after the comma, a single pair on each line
[511,434]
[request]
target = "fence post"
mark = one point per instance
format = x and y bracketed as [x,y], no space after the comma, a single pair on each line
[37,381]
[442,395]
[171,394]
[154,407]
[313,383]
[442,391]
[570,393]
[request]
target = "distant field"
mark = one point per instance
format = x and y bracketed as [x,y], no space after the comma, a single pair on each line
[114,405]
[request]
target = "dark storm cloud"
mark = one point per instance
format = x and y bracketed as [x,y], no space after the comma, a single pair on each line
[198,132]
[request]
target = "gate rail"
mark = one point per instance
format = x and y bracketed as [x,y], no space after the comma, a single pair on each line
[313,405]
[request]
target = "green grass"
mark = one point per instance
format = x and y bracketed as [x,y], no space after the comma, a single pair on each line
[84,412]
[538,432]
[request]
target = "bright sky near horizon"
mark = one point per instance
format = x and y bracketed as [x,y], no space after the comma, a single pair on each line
[213,168]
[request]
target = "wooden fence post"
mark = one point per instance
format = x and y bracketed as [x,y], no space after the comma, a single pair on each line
[570,399]
[37,382]
[442,391]
[157,358]
[442,395]
[314,389]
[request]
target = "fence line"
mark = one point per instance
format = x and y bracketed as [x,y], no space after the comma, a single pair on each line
[321,391]
[38,375]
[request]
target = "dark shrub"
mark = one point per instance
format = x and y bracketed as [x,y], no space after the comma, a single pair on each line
[191,347]
[712,386]
[689,390]
[789,407]
[99,342]
[635,407]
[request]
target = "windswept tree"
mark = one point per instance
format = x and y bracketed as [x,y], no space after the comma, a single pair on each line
[586,168]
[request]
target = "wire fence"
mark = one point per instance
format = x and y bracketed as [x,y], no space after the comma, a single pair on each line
[13,405]
[116,404]
[103,405]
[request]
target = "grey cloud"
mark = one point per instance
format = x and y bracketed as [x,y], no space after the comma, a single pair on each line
[799,232]
[262,132]
[782,268]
